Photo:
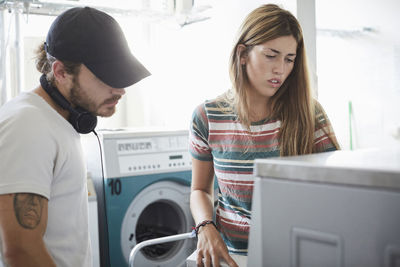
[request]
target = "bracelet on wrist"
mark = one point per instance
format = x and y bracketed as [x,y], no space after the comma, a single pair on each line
[203,223]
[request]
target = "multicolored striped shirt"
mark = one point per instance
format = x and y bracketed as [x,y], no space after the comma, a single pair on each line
[217,135]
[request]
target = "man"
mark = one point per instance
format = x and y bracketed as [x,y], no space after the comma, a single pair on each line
[86,64]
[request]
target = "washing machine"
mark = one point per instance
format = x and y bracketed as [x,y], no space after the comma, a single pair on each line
[142,181]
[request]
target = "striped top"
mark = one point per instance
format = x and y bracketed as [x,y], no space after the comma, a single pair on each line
[216,135]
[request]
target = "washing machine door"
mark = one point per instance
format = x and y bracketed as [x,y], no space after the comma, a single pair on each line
[161,209]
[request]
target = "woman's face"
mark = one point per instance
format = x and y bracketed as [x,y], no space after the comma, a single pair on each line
[268,65]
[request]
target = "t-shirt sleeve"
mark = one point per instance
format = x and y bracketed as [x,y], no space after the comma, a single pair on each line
[199,147]
[324,136]
[26,163]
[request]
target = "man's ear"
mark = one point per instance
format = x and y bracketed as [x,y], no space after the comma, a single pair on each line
[62,78]
[241,53]
[58,70]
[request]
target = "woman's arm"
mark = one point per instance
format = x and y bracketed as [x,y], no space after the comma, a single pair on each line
[201,198]
[210,245]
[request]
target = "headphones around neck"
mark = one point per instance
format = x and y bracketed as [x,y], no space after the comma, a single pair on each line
[82,120]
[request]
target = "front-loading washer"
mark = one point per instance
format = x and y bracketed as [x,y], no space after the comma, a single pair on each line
[144,194]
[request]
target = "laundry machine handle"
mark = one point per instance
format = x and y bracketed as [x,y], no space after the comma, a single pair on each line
[156,241]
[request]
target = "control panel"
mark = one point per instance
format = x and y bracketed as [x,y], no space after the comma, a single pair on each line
[141,154]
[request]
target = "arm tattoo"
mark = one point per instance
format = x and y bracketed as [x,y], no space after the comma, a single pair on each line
[28,209]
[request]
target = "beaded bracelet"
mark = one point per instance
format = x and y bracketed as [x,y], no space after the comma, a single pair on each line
[203,223]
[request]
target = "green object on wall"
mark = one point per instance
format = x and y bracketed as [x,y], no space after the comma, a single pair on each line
[350,124]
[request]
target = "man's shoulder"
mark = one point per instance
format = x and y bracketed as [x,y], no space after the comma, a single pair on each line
[24,110]
[26,101]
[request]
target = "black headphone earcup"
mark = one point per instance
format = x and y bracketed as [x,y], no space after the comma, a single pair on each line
[83,121]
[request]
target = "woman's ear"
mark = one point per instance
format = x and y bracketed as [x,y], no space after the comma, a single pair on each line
[241,53]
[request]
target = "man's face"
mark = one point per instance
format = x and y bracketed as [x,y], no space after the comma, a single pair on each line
[93,95]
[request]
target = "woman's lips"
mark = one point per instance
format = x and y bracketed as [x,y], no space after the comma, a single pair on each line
[275,82]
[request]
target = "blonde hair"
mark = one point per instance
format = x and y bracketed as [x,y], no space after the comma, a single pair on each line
[293,103]
[44,62]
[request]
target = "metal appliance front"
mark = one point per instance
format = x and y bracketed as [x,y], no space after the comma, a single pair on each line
[144,195]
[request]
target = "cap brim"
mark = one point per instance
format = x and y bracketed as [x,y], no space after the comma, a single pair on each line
[119,73]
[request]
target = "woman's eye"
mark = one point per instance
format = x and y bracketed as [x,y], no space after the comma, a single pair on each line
[270,56]
[289,60]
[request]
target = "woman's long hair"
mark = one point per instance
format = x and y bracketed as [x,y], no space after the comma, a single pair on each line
[293,103]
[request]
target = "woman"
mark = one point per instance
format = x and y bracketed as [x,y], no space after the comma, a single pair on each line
[270,111]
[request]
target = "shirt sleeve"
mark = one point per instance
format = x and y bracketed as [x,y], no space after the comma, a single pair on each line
[198,135]
[26,153]
[324,136]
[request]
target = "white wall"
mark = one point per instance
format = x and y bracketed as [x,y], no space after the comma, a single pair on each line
[190,64]
[362,66]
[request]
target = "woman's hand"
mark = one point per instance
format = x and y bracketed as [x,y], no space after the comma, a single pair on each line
[212,248]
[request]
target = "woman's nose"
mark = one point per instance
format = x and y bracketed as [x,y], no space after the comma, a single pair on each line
[279,67]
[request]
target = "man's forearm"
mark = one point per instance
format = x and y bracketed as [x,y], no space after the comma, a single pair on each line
[28,256]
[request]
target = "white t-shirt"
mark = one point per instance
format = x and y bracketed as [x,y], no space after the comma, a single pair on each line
[40,152]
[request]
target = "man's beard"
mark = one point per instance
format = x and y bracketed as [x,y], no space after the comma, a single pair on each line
[80,98]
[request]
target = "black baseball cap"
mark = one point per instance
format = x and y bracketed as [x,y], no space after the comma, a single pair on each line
[92,37]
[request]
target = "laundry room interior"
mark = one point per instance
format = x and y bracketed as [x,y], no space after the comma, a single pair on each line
[332,207]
